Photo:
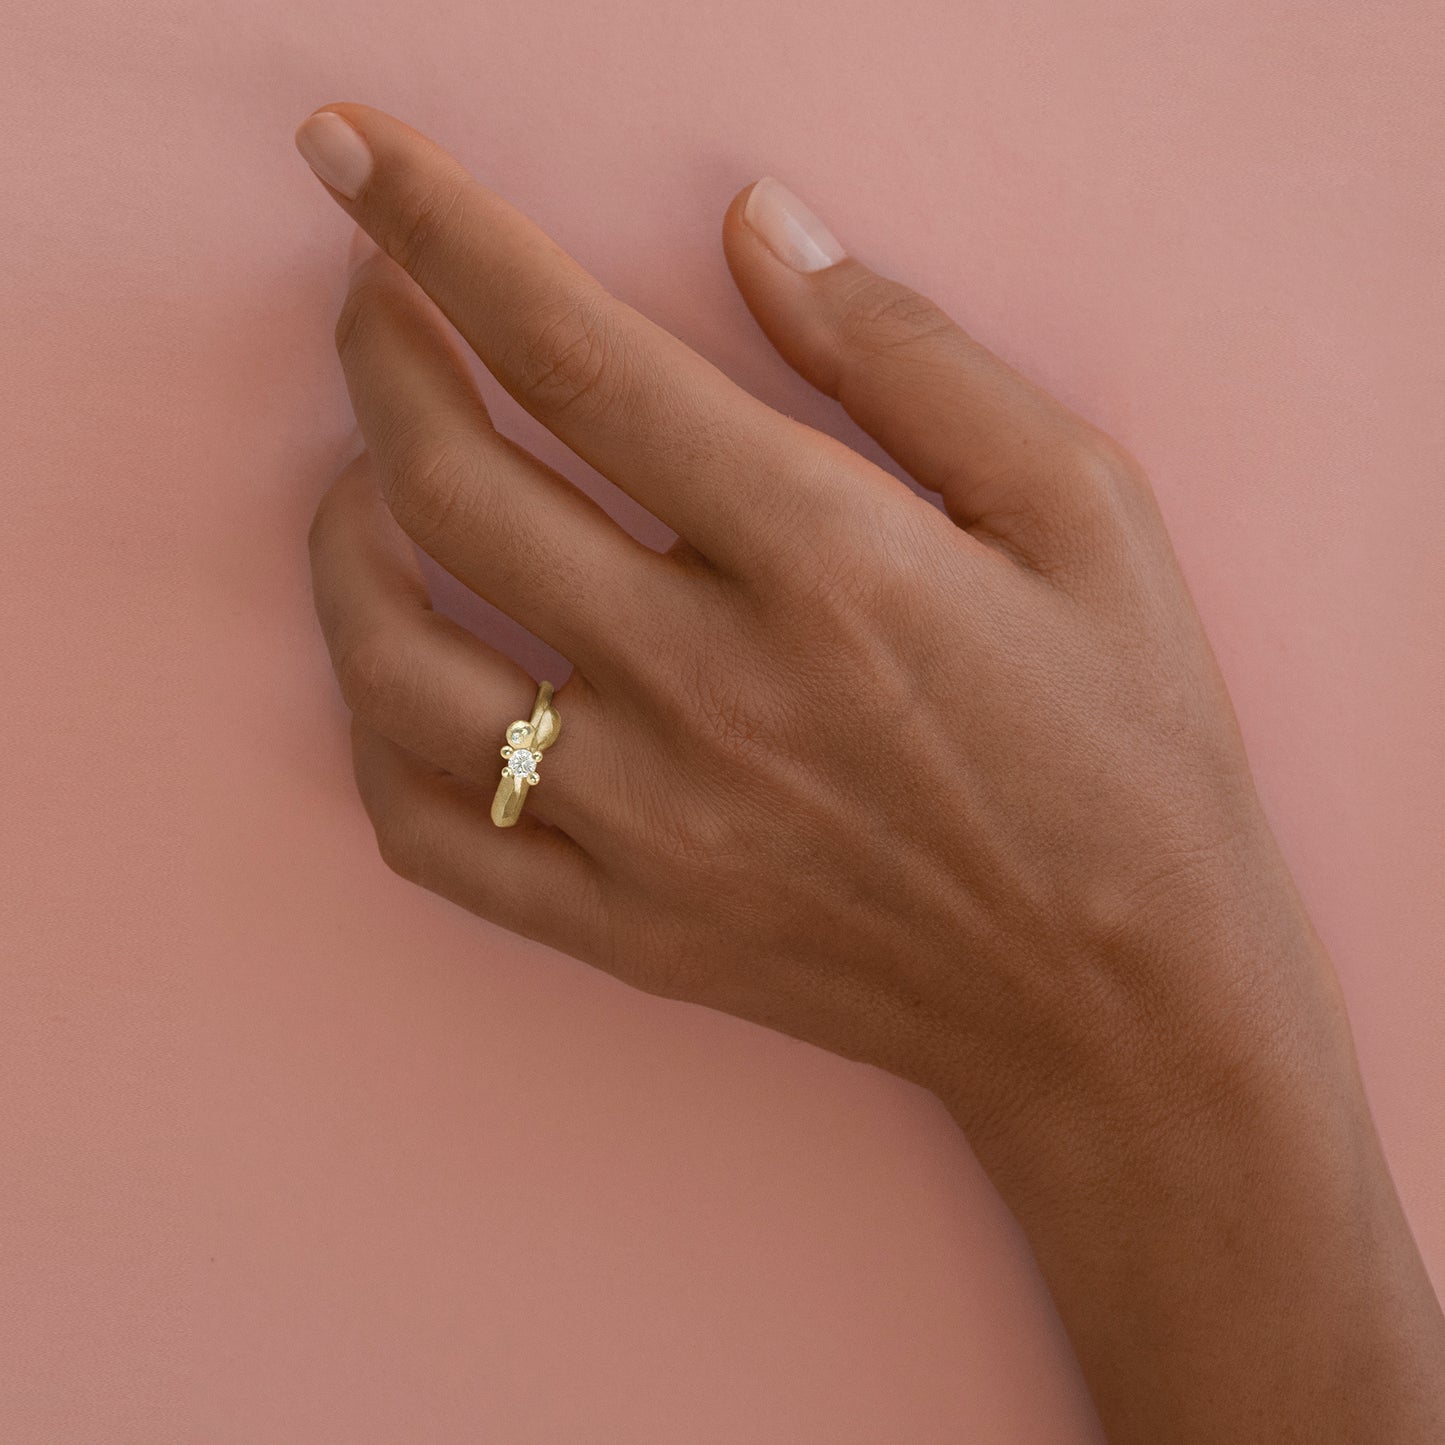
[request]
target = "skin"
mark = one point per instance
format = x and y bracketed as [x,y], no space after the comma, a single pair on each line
[956,792]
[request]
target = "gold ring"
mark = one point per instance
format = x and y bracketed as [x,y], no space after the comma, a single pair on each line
[523,751]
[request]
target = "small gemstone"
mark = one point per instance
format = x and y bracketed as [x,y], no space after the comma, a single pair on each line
[517,734]
[522,763]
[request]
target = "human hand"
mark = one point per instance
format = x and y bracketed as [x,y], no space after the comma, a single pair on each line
[959,793]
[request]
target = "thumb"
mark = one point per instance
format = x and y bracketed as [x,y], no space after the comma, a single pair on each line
[1007,458]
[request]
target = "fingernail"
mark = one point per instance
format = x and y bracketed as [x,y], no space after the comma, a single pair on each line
[361,250]
[335,151]
[792,232]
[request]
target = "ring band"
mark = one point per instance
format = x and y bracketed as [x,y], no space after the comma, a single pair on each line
[523,751]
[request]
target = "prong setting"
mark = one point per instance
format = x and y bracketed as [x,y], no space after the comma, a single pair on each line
[521,753]
[522,764]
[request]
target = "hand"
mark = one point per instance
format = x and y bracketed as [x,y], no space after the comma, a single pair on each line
[957,792]
[906,784]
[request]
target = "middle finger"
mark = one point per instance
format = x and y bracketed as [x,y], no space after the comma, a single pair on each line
[508,526]
[713,462]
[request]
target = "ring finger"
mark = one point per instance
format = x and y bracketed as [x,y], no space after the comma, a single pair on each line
[533,880]
[425,682]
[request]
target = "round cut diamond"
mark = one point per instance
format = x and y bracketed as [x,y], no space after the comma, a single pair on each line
[523,763]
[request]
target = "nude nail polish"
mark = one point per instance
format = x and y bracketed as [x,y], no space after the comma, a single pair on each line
[791,231]
[335,151]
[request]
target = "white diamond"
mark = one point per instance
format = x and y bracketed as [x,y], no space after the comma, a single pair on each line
[523,763]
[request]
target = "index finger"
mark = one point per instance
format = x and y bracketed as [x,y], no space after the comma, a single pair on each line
[631,399]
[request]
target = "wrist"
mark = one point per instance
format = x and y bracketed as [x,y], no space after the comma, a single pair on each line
[1204,1190]
[1240,1273]
[1209,1018]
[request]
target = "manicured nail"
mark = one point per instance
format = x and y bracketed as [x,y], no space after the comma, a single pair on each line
[361,250]
[792,232]
[335,151]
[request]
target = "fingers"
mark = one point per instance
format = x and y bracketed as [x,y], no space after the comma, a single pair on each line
[417,677]
[511,528]
[435,831]
[1009,460]
[628,397]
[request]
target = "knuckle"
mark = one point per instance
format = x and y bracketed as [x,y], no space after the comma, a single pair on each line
[320,528]
[1099,495]
[565,360]
[360,312]
[399,842]
[881,315]
[425,216]
[1101,457]
[734,722]
[848,566]
[358,307]
[372,671]
[431,486]
[731,720]
[1105,471]
[848,588]
[700,846]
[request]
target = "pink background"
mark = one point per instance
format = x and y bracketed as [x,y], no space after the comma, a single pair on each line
[292,1152]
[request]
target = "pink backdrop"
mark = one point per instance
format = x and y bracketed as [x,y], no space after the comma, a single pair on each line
[292,1152]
